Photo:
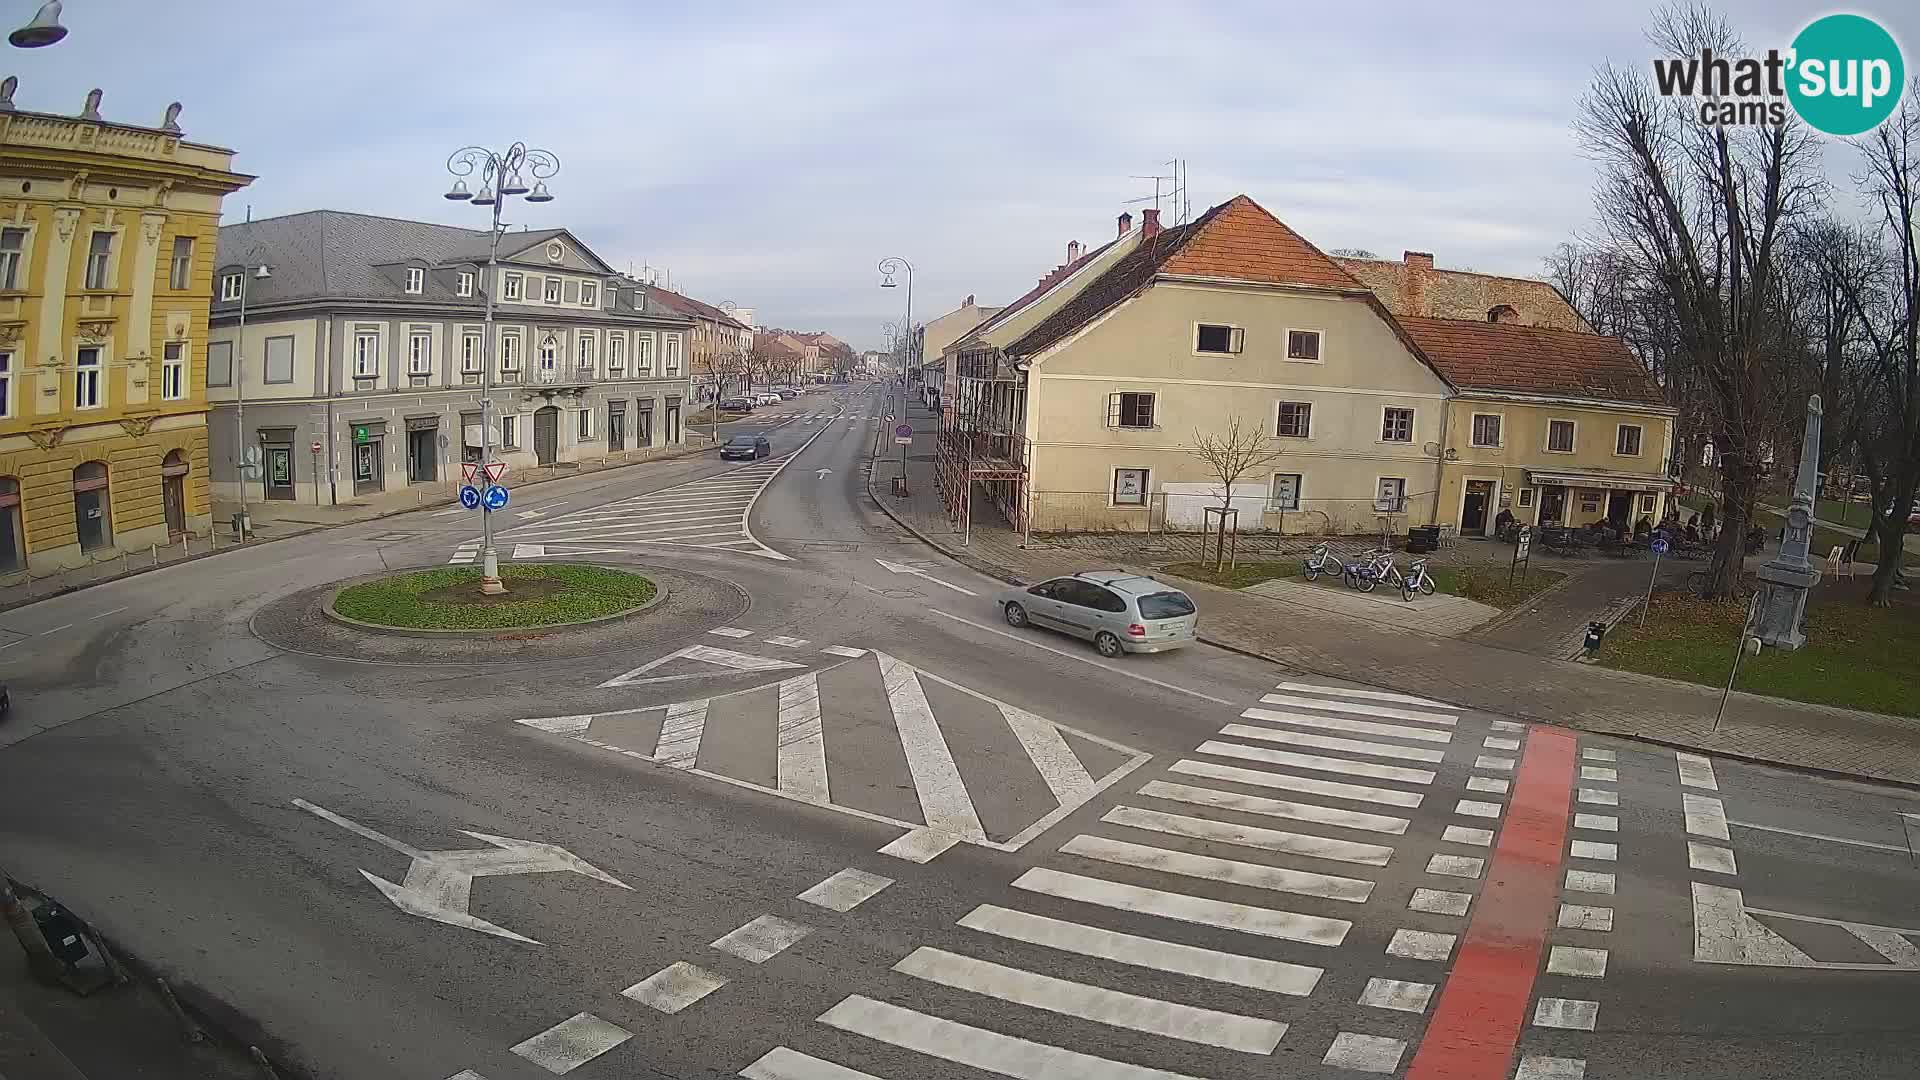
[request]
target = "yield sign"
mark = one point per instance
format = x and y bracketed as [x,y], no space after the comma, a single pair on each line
[439,884]
[468,470]
[496,470]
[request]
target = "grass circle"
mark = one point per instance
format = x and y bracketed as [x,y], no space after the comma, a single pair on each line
[449,597]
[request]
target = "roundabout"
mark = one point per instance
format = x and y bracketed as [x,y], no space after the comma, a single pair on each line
[447,599]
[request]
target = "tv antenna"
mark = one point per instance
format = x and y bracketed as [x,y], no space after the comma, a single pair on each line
[1170,188]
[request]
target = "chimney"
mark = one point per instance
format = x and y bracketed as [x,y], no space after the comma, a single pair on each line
[1126,223]
[1150,223]
[969,302]
[1419,265]
[1073,252]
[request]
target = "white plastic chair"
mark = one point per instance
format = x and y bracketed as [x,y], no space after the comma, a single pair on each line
[1838,563]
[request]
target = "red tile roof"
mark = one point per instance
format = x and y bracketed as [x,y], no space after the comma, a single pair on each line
[1510,358]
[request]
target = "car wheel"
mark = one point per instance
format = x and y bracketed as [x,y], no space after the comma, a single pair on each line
[1016,615]
[1108,644]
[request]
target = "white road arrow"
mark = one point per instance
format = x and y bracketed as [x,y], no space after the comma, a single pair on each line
[901,568]
[821,474]
[439,884]
[531,514]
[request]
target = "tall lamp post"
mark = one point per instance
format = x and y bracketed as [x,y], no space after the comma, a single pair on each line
[890,266]
[501,177]
[243,524]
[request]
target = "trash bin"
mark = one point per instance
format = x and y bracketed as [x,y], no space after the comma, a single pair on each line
[242,524]
[899,487]
[1423,538]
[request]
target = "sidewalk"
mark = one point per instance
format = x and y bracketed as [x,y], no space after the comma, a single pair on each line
[1464,672]
[48,1033]
[279,520]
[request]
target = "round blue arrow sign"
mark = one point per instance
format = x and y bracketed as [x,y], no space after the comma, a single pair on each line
[1659,545]
[496,498]
[470,496]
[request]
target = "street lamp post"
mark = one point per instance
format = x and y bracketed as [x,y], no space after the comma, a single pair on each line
[890,266]
[500,178]
[243,524]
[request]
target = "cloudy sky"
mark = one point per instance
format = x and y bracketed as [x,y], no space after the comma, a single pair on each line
[772,153]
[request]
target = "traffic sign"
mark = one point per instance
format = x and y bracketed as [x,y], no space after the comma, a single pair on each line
[889,418]
[469,470]
[496,470]
[496,498]
[470,497]
[1659,545]
[904,431]
[315,448]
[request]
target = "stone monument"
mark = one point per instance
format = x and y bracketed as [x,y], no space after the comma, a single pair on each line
[1785,579]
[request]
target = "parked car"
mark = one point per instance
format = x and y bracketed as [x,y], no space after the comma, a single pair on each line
[6,702]
[768,399]
[736,404]
[1117,611]
[746,448]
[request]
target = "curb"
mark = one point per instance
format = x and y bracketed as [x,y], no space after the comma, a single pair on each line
[257,541]
[327,609]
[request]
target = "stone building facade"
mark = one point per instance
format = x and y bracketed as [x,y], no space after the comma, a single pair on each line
[1413,287]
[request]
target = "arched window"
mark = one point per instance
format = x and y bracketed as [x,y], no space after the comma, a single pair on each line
[13,538]
[1502,313]
[92,509]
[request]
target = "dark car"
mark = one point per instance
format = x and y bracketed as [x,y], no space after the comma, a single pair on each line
[736,404]
[746,447]
[6,703]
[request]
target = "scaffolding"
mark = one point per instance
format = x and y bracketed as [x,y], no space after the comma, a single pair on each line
[981,440]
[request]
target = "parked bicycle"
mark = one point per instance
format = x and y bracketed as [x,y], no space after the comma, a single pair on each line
[1319,560]
[1417,580]
[1368,571]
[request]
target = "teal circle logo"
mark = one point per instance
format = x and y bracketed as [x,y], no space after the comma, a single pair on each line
[1847,74]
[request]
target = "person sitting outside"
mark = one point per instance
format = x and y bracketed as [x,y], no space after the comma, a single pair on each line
[1642,531]
[1504,524]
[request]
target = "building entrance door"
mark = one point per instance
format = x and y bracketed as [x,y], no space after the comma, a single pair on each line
[1473,512]
[92,510]
[616,431]
[423,456]
[546,435]
[173,491]
[280,473]
[1553,506]
[1619,506]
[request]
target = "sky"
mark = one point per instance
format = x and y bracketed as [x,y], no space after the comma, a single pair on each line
[772,153]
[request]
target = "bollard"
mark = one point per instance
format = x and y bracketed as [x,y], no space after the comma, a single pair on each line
[260,1059]
[191,1029]
[184,552]
[155,552]
[213,535]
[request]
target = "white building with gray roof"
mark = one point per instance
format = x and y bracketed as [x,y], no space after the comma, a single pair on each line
[361,369]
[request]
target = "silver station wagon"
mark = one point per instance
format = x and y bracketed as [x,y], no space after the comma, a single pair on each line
[1117,611]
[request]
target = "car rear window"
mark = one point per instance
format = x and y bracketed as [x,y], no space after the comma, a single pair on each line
[1165,605]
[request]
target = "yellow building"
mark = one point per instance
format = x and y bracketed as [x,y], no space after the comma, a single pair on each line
[107,244]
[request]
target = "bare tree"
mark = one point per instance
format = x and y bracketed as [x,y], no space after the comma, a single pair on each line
[1229,456]
[1704,211]
[728,367]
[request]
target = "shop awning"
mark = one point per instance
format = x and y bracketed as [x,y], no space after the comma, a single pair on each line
[1600,478]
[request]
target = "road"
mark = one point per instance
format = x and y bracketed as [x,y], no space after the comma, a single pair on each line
[826,816]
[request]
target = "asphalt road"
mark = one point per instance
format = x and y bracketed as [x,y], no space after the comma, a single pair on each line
[824,815]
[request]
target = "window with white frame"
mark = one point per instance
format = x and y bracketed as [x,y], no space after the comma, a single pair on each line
[1130,410]
[1560,436]
[366,354]
[463,285]
[586,352]
[86,378]
[616,353]
[509,432]
[1303,345]
[1646,502]
[643,354]
[230,285]
[173,371]
[1283,492]
[552,290]
[1396,424]
[1218,338]
[1295,420]
[510,287]
[589,294]
[220,363]
[279,365]
[1130,487]
[509,354]
[672,355]
[100,261]
[416,279]
[419,353]
[549,356]
[1486,429]
[13,245]
[1526,497]
[180,272]
[1390,495]
[1626,441]
[6,384]
[586,424]
[470,353]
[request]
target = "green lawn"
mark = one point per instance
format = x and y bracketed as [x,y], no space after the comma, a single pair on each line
[1856,657]
[447,598]
[1824,539]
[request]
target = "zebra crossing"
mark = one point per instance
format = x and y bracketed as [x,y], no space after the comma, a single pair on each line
[1188,923]
[865,733]
[771,419]
[708,514]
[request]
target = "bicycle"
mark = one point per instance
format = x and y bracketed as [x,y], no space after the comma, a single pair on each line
[1318,561]
[1417,580]
[1373,568]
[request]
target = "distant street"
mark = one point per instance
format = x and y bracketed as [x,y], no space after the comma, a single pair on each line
[823,815]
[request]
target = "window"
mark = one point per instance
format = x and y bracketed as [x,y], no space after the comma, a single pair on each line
[509,353]
[586,352]
[173,371]
[1560,436]
[100,261]
[230,286]
[1396,425]
[6,384]
[279,367]
[419,354]
[643,355]
[672,355]
[86,379]
[1646,502]
[1130,487]
[509,432]
[1303,345]
[1296,420]
[1130,410]
[589,294]
[220,363]
[180,274]
[366,355]
[1486,429]
[416,279]
[586,424]
[464,287]
[1390,497]
[616,353]
[12,243]
[1626,442]
[510,287]
[1526,496]
[1285,492]
[470,354]
[549,355]
[552,293]
[1210,338]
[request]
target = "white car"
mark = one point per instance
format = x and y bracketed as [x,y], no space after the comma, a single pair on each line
[766,399]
